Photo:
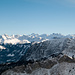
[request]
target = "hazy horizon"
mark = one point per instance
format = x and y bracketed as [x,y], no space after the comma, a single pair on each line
[34,33]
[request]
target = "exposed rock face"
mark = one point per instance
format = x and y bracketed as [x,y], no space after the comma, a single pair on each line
[47,64]
[59,69]
[28,69]
[19,69]
[66,59]
[53,66]
[63,68]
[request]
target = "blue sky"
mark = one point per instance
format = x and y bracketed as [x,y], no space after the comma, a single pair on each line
[37,16]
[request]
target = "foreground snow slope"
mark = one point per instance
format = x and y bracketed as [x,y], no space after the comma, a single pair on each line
[59,69]
[47,67]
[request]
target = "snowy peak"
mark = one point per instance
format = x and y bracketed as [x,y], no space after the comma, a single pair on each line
[1,47]
[14,39]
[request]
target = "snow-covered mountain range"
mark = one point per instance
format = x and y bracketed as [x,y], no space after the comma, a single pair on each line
[37,54]
[14,39]
[12,48]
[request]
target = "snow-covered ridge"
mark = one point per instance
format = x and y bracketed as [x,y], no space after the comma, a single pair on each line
[1,47]
[14,39]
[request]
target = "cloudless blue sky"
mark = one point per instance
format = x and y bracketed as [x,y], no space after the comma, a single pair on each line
[37,16]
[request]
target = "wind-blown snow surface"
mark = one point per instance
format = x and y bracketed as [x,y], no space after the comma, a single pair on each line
[30,38]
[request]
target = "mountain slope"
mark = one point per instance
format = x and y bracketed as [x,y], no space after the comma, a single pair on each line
[46,49]
[43,54]
[12,53]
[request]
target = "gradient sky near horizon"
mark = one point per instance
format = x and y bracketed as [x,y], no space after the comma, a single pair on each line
[37,16]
